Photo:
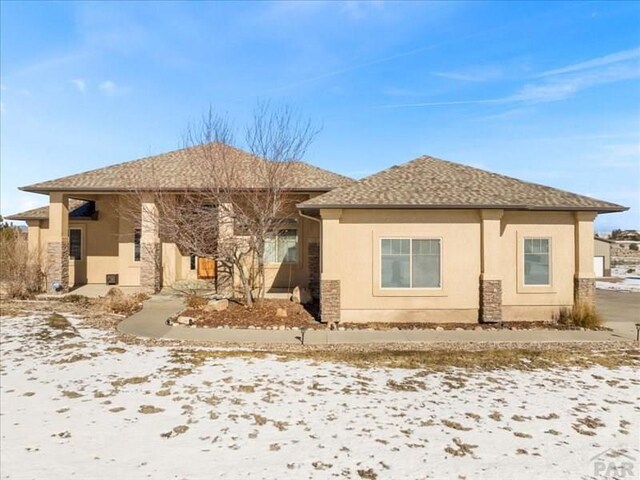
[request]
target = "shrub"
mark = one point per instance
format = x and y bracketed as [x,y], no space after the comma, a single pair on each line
[73,298]
[581,315]
[125,304]
[196,301]
[633,246]
[21,272]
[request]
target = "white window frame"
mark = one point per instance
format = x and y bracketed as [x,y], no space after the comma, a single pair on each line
[409,288]
[275,238]
[81,230]
[549,258]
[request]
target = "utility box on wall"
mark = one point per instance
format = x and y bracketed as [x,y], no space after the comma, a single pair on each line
[112,279]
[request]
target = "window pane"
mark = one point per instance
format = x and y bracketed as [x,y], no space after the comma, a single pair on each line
[544,245]
[425,264]
[395,271]
[386,246]
[528,245]
[270,250]
[75,244]
[136,246]
[288,245]
[536,269]
[399,246]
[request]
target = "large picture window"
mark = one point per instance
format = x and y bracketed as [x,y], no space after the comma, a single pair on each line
[75,244]
[282,247]
[536,261]
[410,263]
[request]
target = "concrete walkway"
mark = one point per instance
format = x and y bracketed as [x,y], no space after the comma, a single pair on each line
[150,323]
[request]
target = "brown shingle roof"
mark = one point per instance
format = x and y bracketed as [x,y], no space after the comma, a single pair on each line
[429,182]
[77,209]
[183,169]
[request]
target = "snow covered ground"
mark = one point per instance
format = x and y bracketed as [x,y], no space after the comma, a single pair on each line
[622,279]
[83,405]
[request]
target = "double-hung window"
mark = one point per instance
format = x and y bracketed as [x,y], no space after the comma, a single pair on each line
[282,247]
[410,263]
[537,270]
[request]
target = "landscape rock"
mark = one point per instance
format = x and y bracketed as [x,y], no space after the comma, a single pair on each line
[216,305]
[281,312]
[301,295]
[439,329]
[185,320]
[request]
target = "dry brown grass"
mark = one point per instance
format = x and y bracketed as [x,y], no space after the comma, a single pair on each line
[196,301]
[435,360]
[123,304]
[21,272]
[581,315]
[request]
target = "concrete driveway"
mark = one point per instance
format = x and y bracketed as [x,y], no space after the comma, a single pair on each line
[620,311]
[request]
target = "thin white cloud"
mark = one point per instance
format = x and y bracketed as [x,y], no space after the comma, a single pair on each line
[476,74]
[564,84]
[108,87]
[612,58]
[111,88]
[80,84]
[360,9]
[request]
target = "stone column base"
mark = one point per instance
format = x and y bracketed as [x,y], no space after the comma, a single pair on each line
[58,266]
[490,301]
[151,266]
[330,301]
[313,255]
[584,290]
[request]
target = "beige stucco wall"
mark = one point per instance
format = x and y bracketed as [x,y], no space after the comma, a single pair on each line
[108,247]
[351,254]
[350,244]
[536,303]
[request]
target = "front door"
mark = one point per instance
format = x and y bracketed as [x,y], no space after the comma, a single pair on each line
[206,268]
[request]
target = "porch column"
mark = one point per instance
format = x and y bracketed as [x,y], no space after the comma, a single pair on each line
[330,261]
[150,246]
[491,277]
[57,261]
[224,273]
[584,283]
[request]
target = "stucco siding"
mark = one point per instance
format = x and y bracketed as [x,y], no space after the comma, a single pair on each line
[559,227]
[354,259]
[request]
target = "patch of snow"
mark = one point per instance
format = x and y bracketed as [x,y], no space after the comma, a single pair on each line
[74,407]
[625,285]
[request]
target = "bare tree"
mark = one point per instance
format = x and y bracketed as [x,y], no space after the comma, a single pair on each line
[236,200]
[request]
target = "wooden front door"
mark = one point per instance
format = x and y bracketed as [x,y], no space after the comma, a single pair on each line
[206,268]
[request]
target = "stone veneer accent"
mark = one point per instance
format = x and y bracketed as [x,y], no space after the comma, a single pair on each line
[330,301]
[58,266]
[313,255]
[490,301]
[584,290]
[151,266]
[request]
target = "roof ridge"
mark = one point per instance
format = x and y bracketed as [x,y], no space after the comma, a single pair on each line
[428,181]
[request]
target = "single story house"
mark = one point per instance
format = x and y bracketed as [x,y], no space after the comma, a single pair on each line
[602,257]
[429,240]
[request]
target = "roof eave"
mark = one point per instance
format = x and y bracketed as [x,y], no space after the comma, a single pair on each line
[45,191]
[612,209]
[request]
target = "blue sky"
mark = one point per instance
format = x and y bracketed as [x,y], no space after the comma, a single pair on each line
[548,92]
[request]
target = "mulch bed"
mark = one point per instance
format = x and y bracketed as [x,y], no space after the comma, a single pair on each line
[261,315]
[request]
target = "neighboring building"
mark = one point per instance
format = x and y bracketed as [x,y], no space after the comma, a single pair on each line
[429,240]
[602,257]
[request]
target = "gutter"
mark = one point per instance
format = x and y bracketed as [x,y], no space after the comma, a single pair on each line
[612,209]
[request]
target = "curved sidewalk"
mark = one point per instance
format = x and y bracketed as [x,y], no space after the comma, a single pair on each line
[150,323]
